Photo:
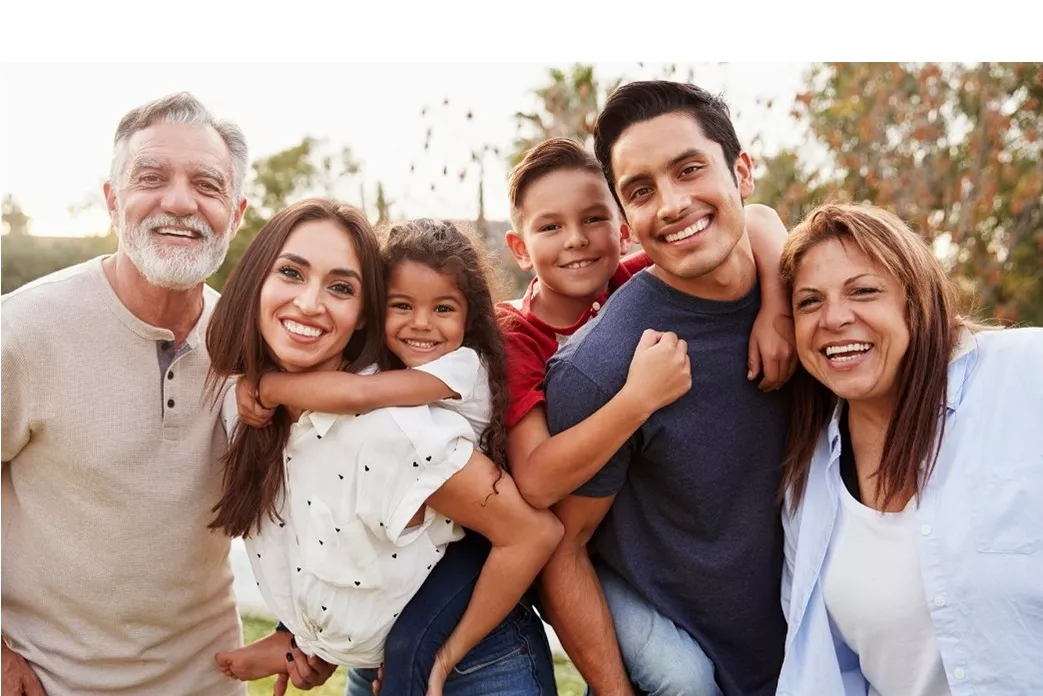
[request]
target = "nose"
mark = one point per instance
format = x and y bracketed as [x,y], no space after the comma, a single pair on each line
[674,202]
[179,198]
[575,238]
[836,314]
[308,299]
[421,319]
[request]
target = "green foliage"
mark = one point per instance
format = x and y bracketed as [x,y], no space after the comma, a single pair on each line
[954,149]
[26,258]
[15,221]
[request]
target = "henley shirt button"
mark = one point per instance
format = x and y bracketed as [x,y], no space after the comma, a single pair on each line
[925,530]
[170,403]
[959,673]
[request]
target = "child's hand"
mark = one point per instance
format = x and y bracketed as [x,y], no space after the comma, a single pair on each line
[439,673]
[772,354]
[251,411]
[660,371]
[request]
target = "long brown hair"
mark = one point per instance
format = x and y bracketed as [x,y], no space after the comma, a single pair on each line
[916,426]
[442,247]
[253,465]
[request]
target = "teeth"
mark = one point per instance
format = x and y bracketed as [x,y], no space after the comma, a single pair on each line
[849,348]
[301,329]
[422,345]
[688,231]
[174,232]
[580,264]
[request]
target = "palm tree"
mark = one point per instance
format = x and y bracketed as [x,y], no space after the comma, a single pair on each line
[569,108]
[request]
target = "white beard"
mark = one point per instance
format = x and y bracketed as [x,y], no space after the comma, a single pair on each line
[172,267]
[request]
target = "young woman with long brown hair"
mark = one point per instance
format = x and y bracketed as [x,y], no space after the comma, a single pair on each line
[913,477]
[344,516]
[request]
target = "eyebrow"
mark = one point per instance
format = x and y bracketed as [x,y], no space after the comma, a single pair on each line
[340,272]
[687,154]
[846,282]
[148,162]
[440,298]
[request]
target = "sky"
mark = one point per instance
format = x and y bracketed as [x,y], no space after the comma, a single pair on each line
[57,121]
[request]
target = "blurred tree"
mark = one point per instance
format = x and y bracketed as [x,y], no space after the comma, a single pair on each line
[568,105]
[954,149]
[303,170]
[16,222]
[383,206]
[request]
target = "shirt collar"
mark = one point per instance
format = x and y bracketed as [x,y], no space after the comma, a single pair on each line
[321,422]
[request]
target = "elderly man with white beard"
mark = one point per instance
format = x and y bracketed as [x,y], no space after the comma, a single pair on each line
[112,582]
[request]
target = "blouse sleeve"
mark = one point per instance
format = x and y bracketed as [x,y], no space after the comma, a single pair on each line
[416,451]
[459,370]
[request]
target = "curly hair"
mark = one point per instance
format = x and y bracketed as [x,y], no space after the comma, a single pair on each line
[439,245]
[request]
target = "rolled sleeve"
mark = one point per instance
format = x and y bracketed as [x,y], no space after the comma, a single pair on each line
[459,370]
[423,448]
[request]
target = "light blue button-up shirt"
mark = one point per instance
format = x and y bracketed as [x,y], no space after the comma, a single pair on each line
[980,533]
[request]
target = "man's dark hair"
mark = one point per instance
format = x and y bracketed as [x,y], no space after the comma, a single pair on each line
[644,100]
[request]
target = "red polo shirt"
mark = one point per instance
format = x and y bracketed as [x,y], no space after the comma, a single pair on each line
[531,342]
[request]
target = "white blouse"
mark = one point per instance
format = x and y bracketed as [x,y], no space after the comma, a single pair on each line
[341,564]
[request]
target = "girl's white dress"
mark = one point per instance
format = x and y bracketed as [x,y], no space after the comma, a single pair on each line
[342,563]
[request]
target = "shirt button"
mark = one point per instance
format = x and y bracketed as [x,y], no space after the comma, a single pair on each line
[925,530]
[959,673]
[939,601]
[596,306]
[170,375]
[170,403]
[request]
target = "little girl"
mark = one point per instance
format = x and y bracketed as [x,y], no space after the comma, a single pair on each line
[439,323]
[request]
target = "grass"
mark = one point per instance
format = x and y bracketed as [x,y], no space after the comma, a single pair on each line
[569,681]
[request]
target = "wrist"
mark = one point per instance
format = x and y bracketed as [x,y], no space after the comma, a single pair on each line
[265,391]
[635,409]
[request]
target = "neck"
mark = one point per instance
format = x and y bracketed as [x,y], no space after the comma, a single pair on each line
[868,422]
[732,279]
[560,310]
[175,310]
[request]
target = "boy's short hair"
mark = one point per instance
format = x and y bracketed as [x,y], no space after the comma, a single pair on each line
[645,100]
[551,155]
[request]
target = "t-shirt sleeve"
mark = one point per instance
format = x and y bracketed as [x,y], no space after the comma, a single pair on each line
[459,370]
[572,397]
[526,373]
[416,450]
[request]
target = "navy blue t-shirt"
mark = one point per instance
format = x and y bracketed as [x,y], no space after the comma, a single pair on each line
[695,527]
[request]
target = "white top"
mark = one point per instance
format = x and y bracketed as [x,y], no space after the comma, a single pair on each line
[463,372]
[341,566]
[874,593]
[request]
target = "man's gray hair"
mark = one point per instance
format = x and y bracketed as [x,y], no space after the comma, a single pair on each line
[185,109]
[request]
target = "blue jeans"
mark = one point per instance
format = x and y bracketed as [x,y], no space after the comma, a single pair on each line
[661,658]
[513,660]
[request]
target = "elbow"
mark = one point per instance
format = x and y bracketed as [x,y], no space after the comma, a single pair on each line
[531,488]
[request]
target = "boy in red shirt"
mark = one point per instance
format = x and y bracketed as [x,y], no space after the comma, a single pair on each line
[569,230]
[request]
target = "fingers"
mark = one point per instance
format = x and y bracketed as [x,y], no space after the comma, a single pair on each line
[380,678]
[753,361]
[771,377]
[649,337]
[281,682]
